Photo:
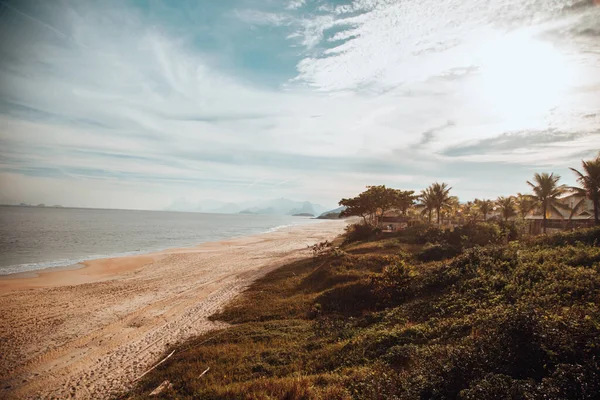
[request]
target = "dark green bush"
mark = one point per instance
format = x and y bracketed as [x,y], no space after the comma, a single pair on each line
[348,299]
[360,232]
[589,237]
[437,252]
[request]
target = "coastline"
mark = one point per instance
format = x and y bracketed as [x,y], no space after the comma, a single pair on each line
[87,332]
[83,261]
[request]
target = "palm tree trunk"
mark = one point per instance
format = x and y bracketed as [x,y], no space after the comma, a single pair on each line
[544,218]
[438,215]
[596,201]
[430,215]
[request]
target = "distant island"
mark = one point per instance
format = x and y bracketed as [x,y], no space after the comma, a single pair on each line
[332,214]
[303,215]
[42,205]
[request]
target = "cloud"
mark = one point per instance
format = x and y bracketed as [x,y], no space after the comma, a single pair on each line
[166,100]
[262,18]
[295,4]
[548,148]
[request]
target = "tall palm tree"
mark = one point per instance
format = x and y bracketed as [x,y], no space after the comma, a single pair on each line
[427,203]
[442,198]
[525,203]
[506,206]
[546,191]
[485,207]
[590,185]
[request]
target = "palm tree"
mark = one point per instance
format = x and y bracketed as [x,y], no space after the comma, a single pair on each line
[485,207]
[469,211]
[546,191]
[506,206]
[427,203]
[590,185]
[525,203]
[442,198]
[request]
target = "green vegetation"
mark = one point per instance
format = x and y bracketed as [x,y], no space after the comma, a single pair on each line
[380,317]
[589,180]
[546,192]
[375,201]
[468,308]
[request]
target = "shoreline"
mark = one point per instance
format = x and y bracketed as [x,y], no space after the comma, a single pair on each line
[88,332]
[95,264]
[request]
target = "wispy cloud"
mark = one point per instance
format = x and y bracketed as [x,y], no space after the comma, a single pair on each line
[166,100]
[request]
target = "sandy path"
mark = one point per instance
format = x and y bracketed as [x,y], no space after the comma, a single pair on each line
[88,333]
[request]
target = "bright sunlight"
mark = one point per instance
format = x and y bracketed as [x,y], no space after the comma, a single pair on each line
[522,77]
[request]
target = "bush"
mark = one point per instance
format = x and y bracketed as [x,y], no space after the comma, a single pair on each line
[390,286]
[360,232]
[348,299]
[589,237]
[437,252]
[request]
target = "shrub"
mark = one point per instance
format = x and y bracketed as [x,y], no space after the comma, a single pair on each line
[390,286]
[360,232]
[589,237]
[437,252]
[348,299]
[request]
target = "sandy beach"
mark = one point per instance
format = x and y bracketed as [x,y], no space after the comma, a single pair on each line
[89,332]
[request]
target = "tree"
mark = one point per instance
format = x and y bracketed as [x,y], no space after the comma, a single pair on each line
[525,203]
[547,191]
[356,206]
[469,211]
[427,203]
[441,198]
[404,200]
[485,207]
[590,185]
[450,209]
[381,197]
[370,204]
[506,206]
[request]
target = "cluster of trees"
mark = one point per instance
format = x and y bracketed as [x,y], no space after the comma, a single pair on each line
[375,201]
[436,200]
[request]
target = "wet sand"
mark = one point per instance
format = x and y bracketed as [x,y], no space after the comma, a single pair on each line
[89,332]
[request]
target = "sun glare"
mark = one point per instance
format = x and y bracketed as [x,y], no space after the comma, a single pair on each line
[522,77]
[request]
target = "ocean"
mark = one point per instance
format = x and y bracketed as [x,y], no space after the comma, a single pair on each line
[34,238]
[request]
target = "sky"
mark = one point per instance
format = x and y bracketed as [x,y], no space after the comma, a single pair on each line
[139,104]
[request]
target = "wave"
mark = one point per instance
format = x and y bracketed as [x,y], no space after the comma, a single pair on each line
[278,227]
[32,267]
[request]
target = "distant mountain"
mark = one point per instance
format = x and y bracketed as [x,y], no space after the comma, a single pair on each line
[303,215]
[307,208]
[279,206]
[332,214]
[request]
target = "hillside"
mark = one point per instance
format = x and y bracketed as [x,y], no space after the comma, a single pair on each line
[332,214]
[418,314]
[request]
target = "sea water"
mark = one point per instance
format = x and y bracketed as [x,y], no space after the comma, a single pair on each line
[33,238]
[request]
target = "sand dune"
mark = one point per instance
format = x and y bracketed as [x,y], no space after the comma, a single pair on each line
[87,333]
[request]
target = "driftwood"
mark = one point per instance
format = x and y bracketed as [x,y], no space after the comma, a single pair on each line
[161,388]
[162,361]
[202,374]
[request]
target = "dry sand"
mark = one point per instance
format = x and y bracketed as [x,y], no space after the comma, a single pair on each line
[88,332]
